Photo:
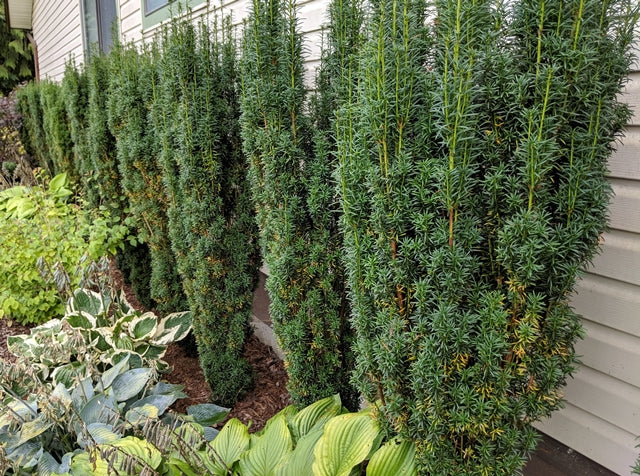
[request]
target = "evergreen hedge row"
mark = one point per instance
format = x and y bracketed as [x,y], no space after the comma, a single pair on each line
[472,176]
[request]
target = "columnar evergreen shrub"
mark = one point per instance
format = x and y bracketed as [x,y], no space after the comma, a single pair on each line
[472,173]
[75,90]
[296,206]
[132,90]
[211,219]
[32,132]
[55,124]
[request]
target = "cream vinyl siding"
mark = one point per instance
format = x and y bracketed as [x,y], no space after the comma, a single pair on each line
[602,415]
[57,31]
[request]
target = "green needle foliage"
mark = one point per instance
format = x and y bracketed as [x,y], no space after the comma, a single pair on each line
[132,89]
[472,174]
[290,170]
[211,219]
[32,132]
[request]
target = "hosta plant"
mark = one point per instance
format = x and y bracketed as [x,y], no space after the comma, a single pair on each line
[97,331]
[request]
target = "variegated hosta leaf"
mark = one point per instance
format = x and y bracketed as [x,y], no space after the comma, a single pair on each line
[68,374]
[144,326]
[87,301]
[81,320]
[173,328]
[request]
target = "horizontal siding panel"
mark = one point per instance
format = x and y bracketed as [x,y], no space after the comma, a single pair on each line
[624,210]
[131,20]
[620,257]
[611,399]
[625,162]
[600,441]
[608,302]
[312,16]
[611,352]
[631,96]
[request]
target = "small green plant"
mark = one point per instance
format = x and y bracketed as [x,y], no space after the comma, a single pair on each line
[39,225]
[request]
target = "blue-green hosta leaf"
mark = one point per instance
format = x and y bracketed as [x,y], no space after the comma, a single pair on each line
[268,451]
[231,442]
[101,433]
[144,326]
[130,383]
[207,414]
[85,300]
[395,457]
[27,455]
[102,408]
[33,428]
[81,320]
[316,414]
[301,460]
[82,393]
[48,466]
[210,434]
[347,441]
[106,379]
[160,402]
[164,388]
[173,328]
[61,394]
[139,414]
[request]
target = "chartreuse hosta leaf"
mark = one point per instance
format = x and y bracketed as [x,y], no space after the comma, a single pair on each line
[395,457]
[268,450]
[127,455]
[347,441]
[230,443]
[316,414]
[300,461]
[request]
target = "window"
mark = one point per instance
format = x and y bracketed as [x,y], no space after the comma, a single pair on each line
[155,12]
[151,6]
[100,23]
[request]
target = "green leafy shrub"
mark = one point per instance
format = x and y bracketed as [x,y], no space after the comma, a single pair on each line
[132,90]
[473,186]
[211,219]
[296,206]
[39,225]
[16,53]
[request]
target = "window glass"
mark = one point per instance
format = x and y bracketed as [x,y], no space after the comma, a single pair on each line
[99,23]
[153,5]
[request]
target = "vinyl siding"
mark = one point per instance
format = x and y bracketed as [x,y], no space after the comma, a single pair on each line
[58,34]
[602,416]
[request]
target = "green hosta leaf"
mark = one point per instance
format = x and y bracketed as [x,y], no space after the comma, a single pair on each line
[130,383]
[173,328]
[141,413]
[232,441]
[317,413]
[301,460]
[58,182]
[269,449]
[82,393]
[395,457]
[144,326]
[27,455]
[101,433]
[101,408]
[207,414]
[81,320]
[347,441]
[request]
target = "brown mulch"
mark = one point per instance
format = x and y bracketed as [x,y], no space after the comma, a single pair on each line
[267,397]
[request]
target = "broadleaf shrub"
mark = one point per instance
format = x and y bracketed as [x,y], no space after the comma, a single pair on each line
[472,175]
[39,225]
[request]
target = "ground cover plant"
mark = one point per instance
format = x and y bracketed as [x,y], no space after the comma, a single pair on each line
[474,191]
[46,242]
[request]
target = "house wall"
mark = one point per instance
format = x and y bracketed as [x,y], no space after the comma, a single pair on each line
[602,414]
[58,34]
